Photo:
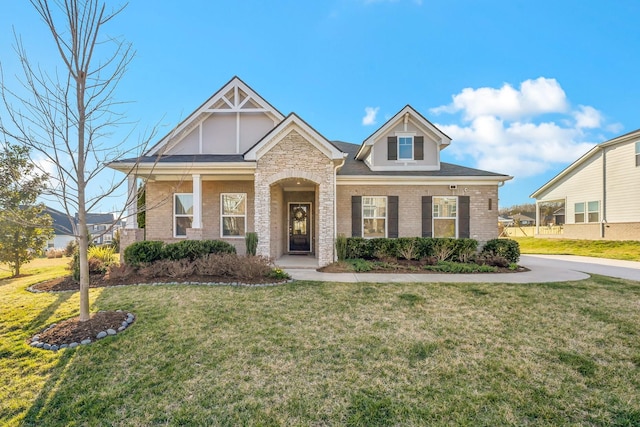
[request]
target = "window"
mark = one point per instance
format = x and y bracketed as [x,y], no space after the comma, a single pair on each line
[579,212]
[182,213]
[233,214]
[638,153]
[593,211]
[405,148]
[374,216]
[445,215]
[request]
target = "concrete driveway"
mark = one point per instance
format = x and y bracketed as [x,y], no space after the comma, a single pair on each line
[544,268]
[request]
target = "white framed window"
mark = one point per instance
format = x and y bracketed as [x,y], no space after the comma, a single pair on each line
[405,148]
[374,216]
[593,212]
[578,210]
[445,217]
[638,153]
[182,213]
[233,214]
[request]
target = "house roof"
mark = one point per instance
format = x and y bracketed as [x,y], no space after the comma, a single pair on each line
[98,218]
[353,166]
[62,223]
[627,137]
[419,120]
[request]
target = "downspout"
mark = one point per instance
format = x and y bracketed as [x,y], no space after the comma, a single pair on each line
[603,221]
[335,205]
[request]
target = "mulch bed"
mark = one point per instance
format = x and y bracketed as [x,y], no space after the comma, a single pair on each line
[404,266]
[73,330]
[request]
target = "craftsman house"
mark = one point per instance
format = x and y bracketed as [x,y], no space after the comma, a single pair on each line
[237,165]
[600,192]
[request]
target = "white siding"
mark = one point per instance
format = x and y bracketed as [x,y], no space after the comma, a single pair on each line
[623,184]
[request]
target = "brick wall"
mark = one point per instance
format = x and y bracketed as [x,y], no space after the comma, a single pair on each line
[483,223]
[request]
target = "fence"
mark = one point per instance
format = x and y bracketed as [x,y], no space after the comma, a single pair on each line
[547,230]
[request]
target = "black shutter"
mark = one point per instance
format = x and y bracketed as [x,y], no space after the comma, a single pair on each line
[392,216]
[356,216]
[418,148]
[427,216]
[392,148]
[463,217]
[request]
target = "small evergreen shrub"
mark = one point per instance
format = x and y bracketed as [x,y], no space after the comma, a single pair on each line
[360,265]
[341,247]
[444,248]
[251,241]
[466,249]
[425,247]
[507,248]
[407,248]
[382,248]
[359,247]
[143,252]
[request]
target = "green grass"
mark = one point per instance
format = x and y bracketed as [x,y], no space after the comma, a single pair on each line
[330,354]
[624,250]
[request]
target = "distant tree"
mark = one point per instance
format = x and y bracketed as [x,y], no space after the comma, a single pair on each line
[142,212]
[24,228]
[69,115]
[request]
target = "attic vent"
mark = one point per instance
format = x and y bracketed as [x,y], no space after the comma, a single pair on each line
[453,187]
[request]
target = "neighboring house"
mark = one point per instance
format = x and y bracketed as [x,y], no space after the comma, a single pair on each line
[102,228]
[238,165]
[600,191]
[505,221]
[524,219]
[62,229]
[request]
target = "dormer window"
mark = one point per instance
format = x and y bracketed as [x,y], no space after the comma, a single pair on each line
[405,148]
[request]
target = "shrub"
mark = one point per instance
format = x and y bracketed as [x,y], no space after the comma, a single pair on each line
[279,274]
[466,249]
[54,253]
[106,254]
[341,247]
[382,248]
[146,251]
[70,248]
[251,241]
[444,248]
[407,248]
[96,266]
[360,265]
[359,247]
[218,247]
[459,267]
[425,247]
[509,249]
[119,271]
[493,260]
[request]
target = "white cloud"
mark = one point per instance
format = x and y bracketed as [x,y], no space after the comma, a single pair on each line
[370,116]
[503,130]
[587,117]
[534,97]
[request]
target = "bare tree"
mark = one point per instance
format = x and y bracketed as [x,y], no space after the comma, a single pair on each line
[69,117]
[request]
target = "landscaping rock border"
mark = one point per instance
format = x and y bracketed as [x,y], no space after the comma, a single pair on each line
[36,343]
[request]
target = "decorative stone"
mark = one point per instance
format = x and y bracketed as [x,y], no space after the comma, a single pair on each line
[39,344]
[73,345]
[101,335]
[122,328]
[64,346]
[46,346]
[124,323]
[129,320]
[85,342]
[54,347]
[111,332]
[35,338]
[34,343]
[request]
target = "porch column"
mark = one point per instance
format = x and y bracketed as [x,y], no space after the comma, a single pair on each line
[197,201]
[537,218]
[262,216]
[132,203]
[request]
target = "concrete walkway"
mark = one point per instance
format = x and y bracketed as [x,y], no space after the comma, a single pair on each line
[544,268]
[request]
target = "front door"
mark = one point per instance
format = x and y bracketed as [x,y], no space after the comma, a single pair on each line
[299,227]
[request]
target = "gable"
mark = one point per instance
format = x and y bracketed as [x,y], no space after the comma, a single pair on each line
[406,142]
[230,122]
[293,122]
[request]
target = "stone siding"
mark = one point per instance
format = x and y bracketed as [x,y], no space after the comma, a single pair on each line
[483,224]
[293,158]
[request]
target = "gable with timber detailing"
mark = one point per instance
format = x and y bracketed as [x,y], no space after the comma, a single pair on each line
[230,122]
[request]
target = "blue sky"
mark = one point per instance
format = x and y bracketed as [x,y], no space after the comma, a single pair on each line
[523,88]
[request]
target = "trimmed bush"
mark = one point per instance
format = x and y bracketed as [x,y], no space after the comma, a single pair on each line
[444,249]
[506,248]
[143,252]
[382,248]
[466,249]
[407,248]
[251,241]
[194,249]
[341,247]
[359,247]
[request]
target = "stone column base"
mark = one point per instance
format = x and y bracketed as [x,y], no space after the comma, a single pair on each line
[129,236]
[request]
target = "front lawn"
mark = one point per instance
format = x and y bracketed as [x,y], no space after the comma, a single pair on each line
[311,353]
[613,249]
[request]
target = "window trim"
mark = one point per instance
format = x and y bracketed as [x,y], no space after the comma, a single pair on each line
[400,138]
[175,215]
[434,217]
[223,216]
[589,212]
[386,216]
